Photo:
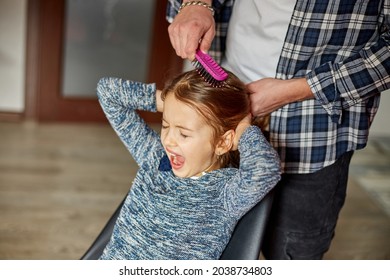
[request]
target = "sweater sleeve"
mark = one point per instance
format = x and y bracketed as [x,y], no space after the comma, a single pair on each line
[120,99]
[259,172]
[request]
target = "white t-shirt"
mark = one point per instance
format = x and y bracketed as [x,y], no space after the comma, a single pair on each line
[256,34]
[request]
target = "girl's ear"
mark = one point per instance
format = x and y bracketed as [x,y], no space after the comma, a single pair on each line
[226,142]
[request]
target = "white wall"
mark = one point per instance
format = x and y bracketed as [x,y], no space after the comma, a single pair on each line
[13,16]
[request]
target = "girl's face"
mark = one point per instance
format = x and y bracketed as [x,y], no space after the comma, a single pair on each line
[187,139]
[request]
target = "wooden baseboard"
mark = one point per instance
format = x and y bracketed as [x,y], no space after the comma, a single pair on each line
[11,117]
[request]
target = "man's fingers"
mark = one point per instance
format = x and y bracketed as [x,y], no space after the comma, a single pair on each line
[208,37]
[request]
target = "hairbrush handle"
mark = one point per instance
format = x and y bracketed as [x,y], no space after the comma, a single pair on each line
[210,66]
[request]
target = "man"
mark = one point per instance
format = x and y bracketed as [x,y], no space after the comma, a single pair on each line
[318,67]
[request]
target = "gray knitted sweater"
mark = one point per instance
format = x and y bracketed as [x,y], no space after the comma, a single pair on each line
[167,217]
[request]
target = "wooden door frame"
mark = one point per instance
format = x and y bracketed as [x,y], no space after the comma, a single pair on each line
[44,65]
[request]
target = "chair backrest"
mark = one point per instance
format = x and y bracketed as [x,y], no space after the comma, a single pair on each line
[245,243]
[247,237]
[97,247]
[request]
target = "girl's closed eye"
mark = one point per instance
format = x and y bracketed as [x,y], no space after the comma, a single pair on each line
[164,125]
[184,135]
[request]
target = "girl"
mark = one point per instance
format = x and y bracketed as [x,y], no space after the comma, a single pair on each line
[190,190]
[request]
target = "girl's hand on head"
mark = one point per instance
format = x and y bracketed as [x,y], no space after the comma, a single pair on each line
[159,102]
[241,127]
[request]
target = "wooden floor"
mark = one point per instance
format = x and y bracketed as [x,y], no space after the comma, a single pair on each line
[59,183]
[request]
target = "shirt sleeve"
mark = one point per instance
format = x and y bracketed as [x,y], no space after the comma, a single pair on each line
[259,172]
[172,9]
[120,99]
[338,86]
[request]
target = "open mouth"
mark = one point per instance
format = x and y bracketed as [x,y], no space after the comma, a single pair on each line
[176,160]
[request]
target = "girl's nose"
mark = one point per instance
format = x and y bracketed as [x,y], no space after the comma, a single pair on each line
[169,139]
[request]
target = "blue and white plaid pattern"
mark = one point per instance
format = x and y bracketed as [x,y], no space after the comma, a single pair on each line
[342,48]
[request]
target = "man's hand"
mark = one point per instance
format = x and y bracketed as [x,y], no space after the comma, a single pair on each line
[193,27]
[269,94]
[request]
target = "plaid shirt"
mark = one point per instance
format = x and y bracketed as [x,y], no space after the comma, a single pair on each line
[342,49]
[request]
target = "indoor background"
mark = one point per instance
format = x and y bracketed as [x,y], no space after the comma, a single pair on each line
[63,171]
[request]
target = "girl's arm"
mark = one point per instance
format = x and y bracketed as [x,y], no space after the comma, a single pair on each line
[259,172]
[120,99]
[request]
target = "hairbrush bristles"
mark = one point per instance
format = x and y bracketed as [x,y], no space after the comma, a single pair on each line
[209,69]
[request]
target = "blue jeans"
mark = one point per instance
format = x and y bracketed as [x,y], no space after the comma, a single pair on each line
[305,212]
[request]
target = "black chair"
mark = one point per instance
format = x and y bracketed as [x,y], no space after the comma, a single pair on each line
[245,243]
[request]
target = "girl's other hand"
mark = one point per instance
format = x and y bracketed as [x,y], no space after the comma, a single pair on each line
[159,102]
[241,127]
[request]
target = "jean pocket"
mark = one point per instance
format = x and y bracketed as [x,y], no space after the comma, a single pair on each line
[308,246]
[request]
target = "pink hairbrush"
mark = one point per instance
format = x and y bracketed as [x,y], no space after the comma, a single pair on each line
[209,69]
